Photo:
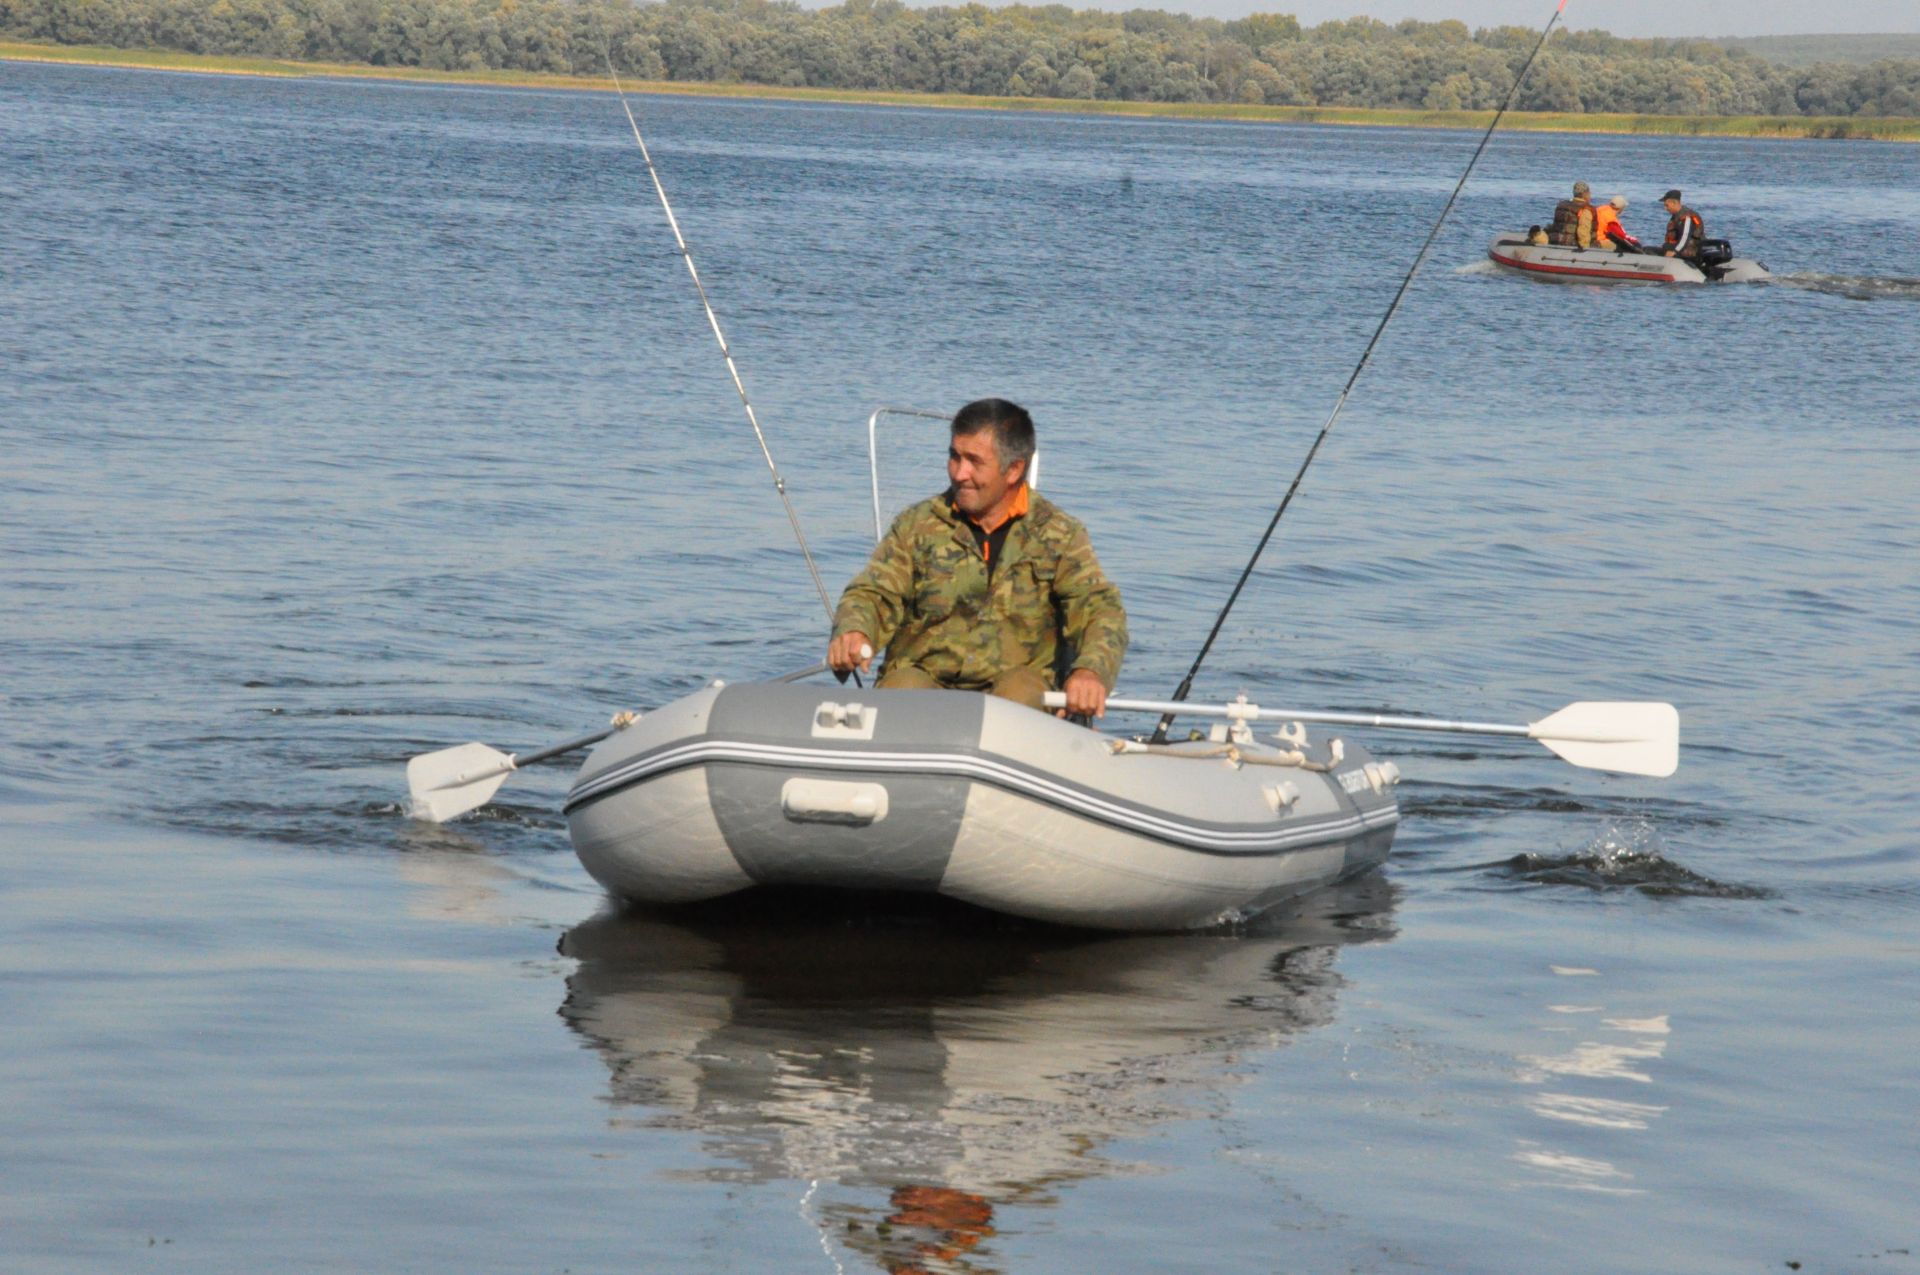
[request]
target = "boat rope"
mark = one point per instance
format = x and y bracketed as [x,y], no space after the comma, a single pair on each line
[726,351]
[1366,356]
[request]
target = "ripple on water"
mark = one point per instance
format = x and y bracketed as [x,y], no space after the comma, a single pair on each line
[1431,800]
[1853,287]
[1626,856]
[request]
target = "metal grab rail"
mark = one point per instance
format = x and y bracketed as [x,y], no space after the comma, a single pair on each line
[873,456]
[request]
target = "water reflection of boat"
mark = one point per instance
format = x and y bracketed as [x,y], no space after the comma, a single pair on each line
[957,1062]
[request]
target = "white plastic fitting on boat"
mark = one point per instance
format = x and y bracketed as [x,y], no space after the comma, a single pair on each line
[1280,796]
[833,801]
[844,721]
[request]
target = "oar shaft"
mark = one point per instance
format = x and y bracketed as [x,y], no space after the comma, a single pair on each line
[1628,738]
[557,749]
[516,761]
[802,674]
[1255,713]
[509,762]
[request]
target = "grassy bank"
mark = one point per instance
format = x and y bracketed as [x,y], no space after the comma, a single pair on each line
[1888,129]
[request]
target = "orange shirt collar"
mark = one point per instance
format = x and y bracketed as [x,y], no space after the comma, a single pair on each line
[1016,508]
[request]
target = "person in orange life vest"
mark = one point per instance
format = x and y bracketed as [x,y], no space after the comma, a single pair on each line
[1607,230]
[1685,230]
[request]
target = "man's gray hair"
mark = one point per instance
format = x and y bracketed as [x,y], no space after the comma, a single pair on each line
[1013,437]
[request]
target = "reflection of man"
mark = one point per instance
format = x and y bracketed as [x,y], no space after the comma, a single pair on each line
[987,586]
[944,1226]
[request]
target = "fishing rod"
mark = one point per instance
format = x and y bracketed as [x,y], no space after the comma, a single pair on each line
[726,351]
[1366,356]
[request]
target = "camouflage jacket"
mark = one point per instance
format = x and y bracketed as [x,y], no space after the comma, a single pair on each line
[924,596]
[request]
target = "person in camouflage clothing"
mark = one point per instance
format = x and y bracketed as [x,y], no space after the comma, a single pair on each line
[986,586]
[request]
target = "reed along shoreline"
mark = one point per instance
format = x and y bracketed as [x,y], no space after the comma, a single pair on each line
[1850,128]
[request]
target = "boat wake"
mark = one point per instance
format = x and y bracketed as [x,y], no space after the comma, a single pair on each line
[1478,267]
[1856,287]
[1626,856]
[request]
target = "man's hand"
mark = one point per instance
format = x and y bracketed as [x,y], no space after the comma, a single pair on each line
[850,651]
[1086,694]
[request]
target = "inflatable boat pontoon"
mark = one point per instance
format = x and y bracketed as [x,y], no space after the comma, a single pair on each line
[972,797]
[1557,264]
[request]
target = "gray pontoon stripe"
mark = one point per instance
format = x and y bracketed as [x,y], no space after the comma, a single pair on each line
[1209,838]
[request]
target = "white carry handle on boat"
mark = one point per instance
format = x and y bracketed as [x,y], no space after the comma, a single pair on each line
[1630,738]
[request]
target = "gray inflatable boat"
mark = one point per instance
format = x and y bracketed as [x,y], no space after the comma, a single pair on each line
[973,797]
[1557,264]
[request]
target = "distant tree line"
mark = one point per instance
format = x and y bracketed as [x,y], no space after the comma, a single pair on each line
[1019,50]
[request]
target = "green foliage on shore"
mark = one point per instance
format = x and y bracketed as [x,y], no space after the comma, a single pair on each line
[1805,50]
[1876,129]
[1017,51]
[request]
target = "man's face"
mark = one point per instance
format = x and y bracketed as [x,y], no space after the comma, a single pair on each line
[1672,205]
[974,469]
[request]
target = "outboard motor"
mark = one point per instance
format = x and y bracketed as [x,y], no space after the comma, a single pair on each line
[1713,258]
[1715,252]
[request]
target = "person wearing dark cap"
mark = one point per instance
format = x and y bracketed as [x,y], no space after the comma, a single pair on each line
[1573,219]
[1685,230]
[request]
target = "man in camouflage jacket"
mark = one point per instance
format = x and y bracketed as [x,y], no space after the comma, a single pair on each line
[986,586]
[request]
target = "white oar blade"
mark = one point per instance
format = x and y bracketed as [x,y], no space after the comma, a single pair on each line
[1630,738]
[449,783]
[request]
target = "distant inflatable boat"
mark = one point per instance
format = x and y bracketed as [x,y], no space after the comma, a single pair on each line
[972,797]
[1557,264]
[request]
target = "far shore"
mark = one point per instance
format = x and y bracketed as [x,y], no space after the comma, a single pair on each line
[1853,128]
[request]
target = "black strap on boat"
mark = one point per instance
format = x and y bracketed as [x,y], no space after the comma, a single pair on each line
[1366,355]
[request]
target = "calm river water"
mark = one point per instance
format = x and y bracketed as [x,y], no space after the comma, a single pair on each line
[345,421]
